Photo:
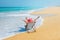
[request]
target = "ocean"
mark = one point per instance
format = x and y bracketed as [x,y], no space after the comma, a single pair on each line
[7,9]
[11,20]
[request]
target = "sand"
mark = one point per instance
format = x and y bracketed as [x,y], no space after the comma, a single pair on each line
[50,30]
[48,10]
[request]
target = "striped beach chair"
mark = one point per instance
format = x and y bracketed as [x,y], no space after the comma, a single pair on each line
[30,26]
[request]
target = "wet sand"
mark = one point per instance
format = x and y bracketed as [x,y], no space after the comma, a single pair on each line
[50,30]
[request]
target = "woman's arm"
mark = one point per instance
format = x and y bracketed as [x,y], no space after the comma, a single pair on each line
[36,18]
[25,19]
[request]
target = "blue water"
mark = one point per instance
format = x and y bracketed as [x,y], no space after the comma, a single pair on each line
[6,9]
[9,9]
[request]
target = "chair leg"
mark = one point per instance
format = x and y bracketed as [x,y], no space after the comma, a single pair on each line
[34,29]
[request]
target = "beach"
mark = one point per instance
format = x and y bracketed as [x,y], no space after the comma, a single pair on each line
[50,29]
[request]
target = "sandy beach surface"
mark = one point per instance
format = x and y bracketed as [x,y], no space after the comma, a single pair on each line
[50,30]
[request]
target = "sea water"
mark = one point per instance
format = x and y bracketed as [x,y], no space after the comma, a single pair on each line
[11,20]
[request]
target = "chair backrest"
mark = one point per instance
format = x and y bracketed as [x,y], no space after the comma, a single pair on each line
[30,25]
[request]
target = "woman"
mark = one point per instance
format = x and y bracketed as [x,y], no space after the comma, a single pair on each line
[30,24]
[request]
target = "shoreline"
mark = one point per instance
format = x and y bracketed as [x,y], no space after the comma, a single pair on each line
[50,30]
[45,32]
[25,31]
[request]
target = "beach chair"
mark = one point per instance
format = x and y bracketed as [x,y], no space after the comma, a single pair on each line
[30,26]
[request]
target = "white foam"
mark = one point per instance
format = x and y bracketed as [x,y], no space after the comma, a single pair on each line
[39,22]
[18,15]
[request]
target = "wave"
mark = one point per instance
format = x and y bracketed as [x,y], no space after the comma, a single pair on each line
[19,12]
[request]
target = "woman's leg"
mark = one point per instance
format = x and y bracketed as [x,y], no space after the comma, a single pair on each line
[26,27]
